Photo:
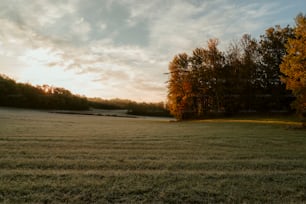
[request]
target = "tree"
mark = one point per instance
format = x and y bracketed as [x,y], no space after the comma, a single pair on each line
[179,86]
[249,75]
[40,97]
[233,87]
[246,78]
[207,65]
[272,49]
[294,65]
[196,84]
[243,75]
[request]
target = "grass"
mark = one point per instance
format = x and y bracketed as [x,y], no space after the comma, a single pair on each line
[292,123]
[54,158]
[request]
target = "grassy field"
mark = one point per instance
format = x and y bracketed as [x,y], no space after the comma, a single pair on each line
[54,158]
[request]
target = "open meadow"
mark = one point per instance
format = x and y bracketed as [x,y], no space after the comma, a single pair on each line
[57,158]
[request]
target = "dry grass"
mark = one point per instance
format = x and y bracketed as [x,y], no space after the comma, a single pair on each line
[53,158]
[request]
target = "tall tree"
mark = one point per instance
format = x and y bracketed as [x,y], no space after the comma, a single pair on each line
[248,75]
[207,83]
[233,84]
[272,49]
[179,86]
[215,61]
[294,64]
[243,75]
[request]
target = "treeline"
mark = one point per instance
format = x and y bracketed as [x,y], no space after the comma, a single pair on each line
[244,78]
[25,95]
[132,107]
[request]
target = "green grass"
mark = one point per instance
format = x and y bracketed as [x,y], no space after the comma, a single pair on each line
[54,158]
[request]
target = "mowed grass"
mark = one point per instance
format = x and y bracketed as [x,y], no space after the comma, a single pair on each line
[54,158]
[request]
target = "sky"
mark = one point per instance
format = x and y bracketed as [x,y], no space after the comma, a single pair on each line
[122,48]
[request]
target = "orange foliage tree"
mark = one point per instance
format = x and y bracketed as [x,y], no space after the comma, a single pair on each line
[178,85]
[294,65]
[195,82]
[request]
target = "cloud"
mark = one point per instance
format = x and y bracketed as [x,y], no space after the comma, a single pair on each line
[189,24]
[81,28]
[120,48]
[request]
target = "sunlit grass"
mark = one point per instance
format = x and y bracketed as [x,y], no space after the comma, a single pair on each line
[258,121]
[54,158]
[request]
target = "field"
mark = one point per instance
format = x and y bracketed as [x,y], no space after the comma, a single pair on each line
[56,158]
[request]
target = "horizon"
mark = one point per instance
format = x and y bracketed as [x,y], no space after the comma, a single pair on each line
[109,49]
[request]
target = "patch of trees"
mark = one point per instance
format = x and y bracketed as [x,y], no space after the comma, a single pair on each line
[148,109]
[132,107]
[245,78]
[23,95]
[111,104]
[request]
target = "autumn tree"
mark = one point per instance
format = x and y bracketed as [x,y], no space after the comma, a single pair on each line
[196,83]
[294,65]
[207,78]
[179,86]
[245,78]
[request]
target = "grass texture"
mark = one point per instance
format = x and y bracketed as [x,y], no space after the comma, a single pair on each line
[54,158]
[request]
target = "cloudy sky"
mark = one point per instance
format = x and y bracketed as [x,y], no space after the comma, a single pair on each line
[121,48]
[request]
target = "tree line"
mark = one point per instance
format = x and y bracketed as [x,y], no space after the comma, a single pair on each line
[250,76]
[25,95]
[132,107]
